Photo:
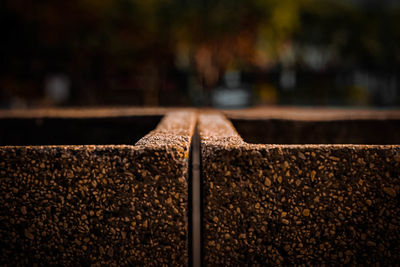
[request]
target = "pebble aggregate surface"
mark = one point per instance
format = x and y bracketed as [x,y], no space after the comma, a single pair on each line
[105,205]
[297,204]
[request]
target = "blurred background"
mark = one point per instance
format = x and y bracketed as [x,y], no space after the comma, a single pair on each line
[220,53]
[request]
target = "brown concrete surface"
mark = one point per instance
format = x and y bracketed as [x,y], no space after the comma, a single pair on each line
[85,112]
[266,204]
[311,113]
[98,204]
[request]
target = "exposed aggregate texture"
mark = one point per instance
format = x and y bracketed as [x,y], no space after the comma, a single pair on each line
[98,205]
[297,204]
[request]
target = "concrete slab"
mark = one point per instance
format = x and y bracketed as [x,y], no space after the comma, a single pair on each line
[98,204]
[268,204]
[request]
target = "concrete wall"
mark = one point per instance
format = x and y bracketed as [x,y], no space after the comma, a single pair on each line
[98,205]
[297,204]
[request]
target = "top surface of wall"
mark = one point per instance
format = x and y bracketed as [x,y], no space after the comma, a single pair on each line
[83,112]
[310,114]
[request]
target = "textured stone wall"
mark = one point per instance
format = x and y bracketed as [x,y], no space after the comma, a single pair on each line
[304,204]
[261,204]
[98,205]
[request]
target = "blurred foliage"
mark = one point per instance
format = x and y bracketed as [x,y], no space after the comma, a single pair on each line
[122,28]
[360,35]
[94,41]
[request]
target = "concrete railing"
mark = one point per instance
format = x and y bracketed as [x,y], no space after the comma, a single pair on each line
[101,187]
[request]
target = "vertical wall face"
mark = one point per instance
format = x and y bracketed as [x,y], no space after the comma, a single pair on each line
[101,205]
[309,204]
[85,206]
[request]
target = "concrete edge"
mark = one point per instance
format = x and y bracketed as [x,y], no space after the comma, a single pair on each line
[175,130]
[311,114]
[76,112]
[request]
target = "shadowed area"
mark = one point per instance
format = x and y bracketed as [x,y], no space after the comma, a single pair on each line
[76,131]
[277,131]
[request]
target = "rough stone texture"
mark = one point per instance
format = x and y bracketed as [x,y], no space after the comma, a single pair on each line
[297,204]
[98,205]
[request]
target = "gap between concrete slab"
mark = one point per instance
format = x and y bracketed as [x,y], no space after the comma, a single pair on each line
[195,197]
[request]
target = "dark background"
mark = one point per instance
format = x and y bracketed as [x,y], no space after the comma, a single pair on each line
[222,53]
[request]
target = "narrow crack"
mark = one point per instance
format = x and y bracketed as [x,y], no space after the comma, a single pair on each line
[195,226]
